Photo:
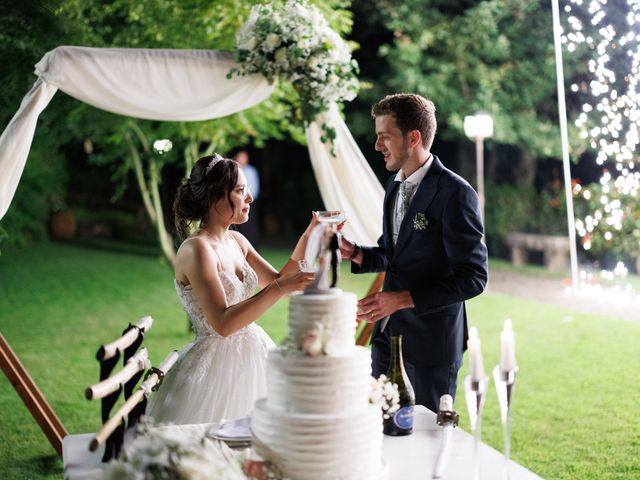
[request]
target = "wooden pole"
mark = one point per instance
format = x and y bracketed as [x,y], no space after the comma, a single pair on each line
[31,396]
[564,140]
[365,333]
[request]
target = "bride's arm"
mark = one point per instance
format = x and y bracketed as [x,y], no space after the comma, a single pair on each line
[202,271]
[266,273]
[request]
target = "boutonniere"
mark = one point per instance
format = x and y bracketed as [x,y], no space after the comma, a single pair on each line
[420,222]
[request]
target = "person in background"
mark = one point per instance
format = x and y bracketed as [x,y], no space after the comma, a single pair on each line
[251,228]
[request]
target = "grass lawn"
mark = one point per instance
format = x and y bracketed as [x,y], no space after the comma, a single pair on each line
[575,413]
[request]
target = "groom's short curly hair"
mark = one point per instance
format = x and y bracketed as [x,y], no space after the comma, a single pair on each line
[411,112]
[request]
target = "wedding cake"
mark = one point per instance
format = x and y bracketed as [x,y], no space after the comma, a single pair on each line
[316,422]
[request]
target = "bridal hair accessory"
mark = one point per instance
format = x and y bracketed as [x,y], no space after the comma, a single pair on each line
[216,158]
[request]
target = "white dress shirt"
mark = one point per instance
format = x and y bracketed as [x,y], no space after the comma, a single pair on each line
[415,179]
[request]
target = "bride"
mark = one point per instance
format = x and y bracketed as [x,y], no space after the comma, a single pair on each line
[221,374]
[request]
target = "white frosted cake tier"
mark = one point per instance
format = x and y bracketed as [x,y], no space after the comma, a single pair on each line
[335,311]
[321,385]
[321,447]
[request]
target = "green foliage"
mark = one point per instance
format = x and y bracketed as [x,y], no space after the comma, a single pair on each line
[510,208]
[193,25]
[493,55]
[29,29]
[41,190]
[618,216]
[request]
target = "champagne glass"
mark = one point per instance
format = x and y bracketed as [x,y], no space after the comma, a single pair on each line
[333,217]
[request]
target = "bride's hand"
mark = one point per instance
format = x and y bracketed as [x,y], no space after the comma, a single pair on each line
[314,221]
[293,282]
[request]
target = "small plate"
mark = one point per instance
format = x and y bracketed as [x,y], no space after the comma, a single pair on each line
[233,431]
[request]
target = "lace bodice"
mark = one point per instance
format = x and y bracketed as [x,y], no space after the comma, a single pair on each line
[235,289]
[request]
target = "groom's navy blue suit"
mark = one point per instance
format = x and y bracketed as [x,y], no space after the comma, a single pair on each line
[442,262]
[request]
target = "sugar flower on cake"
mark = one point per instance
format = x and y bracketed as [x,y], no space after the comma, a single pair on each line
[385,393]
[312,342]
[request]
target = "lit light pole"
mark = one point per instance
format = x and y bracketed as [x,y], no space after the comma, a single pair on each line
[478,127]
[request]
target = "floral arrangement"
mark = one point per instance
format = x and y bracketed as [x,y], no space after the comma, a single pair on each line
[420,222]
[294,42]
[385,393]
[160,453]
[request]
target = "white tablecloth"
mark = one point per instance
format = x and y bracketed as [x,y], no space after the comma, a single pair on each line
[410,458]
[414,456]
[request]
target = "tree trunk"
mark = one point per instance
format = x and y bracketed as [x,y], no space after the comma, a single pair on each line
[525,171]
[150,191]
[166,242]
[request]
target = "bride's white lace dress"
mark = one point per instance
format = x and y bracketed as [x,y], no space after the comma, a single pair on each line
[215,377]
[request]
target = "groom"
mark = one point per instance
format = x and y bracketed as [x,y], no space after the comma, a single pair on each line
[431,249]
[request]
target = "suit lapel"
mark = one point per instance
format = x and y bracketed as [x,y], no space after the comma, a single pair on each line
[421,201]
[390,194]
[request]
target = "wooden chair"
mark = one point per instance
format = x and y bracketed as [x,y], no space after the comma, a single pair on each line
[84,455]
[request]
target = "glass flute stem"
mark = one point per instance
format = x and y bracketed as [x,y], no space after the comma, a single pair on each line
[506,427]
[476,451]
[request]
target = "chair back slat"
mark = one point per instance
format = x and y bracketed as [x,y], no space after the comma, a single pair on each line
[150,384]
[130,336]
[139,362]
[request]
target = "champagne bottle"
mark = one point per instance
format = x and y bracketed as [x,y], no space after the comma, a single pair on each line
[400,422]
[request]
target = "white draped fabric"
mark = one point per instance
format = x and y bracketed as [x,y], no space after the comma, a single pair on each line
[169,85]
[181,85]
[346,181]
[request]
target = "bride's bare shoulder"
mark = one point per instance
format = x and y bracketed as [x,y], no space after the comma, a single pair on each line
[192,252]
[245,245]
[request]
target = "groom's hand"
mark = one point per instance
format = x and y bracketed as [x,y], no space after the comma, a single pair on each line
[350,251]
[382,304]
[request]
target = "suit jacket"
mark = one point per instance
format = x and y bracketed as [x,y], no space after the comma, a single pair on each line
[441,261]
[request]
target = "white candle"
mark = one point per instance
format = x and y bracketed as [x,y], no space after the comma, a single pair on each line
[475,355]
[507,348]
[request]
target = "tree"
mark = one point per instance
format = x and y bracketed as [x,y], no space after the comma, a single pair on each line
[125,144]
[27,30]
[180,24]
[603,37]
[494,55]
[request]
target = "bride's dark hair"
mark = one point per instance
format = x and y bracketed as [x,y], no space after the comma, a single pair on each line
[207,183]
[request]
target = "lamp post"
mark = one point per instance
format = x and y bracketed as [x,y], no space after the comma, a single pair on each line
[478,127]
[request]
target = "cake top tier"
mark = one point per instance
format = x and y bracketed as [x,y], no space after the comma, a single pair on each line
[323,323]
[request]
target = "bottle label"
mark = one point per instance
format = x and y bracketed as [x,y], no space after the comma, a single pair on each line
[403,418]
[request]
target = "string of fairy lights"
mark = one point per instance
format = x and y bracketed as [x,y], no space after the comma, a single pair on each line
[610,122]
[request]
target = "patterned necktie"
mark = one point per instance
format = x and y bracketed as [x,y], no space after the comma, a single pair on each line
[404,198]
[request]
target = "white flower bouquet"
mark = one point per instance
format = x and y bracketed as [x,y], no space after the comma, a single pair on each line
[171,453]
[385,393]
[294,42]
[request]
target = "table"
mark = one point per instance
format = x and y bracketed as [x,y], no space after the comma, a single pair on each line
[410,458]
[414,456]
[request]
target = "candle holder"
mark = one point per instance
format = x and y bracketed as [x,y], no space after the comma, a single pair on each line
[505,386]
[475,394]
